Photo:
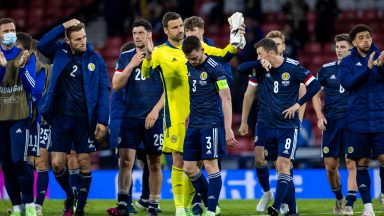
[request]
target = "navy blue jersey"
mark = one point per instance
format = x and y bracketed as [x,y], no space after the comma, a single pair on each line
[69,96]
[205,102]
[336,97]
[141,94]
[281,91]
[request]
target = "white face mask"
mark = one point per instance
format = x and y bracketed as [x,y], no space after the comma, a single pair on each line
[9,38]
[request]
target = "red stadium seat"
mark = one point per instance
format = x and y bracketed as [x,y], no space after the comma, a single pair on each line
[313,48]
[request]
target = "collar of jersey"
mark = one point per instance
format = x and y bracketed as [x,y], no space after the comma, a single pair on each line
[170,45]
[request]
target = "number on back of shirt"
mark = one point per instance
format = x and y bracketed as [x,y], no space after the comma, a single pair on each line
[341,89]
[138,75]
[74,69]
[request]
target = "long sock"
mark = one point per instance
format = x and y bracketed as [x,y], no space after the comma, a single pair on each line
[364,184]
[189,192]
[214,188]
[25,173]
[200,184]
[263,177]
[351,198]
[145,183]
[62,177]
[283,181]
[84,185]
[197,198]
[12,184]
[41,186]
[177,177]
[74,180]
[338,193]
[130,195]
[290,196]
[382,177]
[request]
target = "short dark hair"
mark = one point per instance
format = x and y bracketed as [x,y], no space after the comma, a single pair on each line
[127,46]
[168,17]
[191,43]
[144,23]
[75,28]
[357,29]
[24,39]
[193,21]
[343,37]
[267,44]
[6,20]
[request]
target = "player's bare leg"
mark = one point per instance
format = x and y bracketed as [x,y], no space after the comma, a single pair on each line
[352,186]
[333,175]
[42,168]
[262,173]
[155,182]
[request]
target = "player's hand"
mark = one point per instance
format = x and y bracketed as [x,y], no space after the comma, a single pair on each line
[291,111]
[151,119]
[243,130]
[24,58]
[70,23]
[370,61]
[322,123]
[266,64]
[380,60]
[100,132]
[3,61]
[149,46]
[137,59]
[230,138]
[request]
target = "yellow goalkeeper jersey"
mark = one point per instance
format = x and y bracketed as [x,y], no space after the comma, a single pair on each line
[170,62]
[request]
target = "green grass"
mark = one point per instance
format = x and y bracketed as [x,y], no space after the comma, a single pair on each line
[321,207]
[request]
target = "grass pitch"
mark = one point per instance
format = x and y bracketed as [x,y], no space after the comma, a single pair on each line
[321,207]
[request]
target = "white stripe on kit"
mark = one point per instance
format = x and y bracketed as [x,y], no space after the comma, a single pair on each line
[26,145]
[212,62]
[294,144]
[30,79]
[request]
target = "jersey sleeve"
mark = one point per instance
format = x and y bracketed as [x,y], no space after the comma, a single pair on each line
[148,66]
[303,75]
[220,77]
[223,55]
[121,63]
[320,76]
[252,80]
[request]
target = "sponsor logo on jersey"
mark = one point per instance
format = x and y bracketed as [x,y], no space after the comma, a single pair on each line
[332,77]
[174,59]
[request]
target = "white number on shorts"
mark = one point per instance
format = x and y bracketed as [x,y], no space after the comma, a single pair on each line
[44,134]
[158,139]
[287,143]
[139,76]
[276,87]
[31,138]
[72,74]
[209,144]
[194,85]
[341,89]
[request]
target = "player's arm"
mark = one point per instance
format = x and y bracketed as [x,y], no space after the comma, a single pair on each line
[27,71]
[247,67]
[349,77]
[222,55]
[247,104]
[313,86]
[226,103]
[148,61]
[120,78]
[302,91]
[39,88]
[316,101]
[154,114]
[102,102]
[3,64]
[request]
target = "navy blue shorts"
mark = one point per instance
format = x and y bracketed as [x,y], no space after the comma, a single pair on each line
[204,144]
[133,132]
[335,138]
[260,134]
[33,139]
[365,145]
[280,142]
[71,130]
[45,136]
[14,137]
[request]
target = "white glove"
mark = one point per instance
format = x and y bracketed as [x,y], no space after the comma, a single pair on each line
[236,39]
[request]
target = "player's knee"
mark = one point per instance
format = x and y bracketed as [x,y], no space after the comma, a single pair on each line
[84,163]
[190,169]
[154,167]
[351,165]
[283,165]
[211,166]
[41,165]
[260,162]
[126,163]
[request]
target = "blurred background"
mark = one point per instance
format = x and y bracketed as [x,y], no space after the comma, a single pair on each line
[309,27]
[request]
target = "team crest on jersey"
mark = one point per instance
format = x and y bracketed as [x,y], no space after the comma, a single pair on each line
[203,75]
[350,149]
[173,139]
[285,76]
[325,150]
[91,66]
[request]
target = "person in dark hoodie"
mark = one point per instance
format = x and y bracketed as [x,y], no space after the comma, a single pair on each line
[76,105]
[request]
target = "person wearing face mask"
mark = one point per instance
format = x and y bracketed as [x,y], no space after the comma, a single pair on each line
[17,80]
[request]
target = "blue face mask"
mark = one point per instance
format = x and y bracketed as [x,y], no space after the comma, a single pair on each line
[9,38]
